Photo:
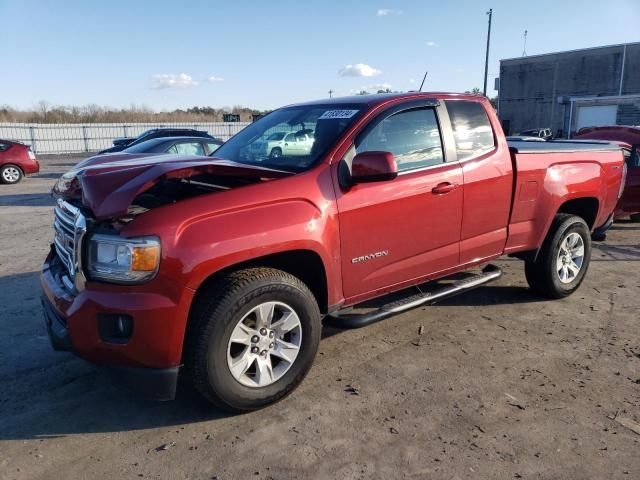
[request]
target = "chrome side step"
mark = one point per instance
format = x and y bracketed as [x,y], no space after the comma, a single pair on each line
[347,320]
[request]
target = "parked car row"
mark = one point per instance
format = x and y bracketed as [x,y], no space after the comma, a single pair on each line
[18,160]
[120,144]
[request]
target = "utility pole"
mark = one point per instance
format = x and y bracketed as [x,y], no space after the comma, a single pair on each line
[331,92]
[486,59]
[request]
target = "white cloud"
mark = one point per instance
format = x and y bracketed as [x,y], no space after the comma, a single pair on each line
[171,80]
[431,44]
[383,12]
[359,70]
[214,79]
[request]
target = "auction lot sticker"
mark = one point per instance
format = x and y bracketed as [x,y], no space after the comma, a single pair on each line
[331,114]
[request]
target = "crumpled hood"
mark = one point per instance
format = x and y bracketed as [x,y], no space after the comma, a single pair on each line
[109,183]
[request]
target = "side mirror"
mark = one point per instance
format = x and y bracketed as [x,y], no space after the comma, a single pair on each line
[373,167]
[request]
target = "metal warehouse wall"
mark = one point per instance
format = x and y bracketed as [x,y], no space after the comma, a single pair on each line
[537,91]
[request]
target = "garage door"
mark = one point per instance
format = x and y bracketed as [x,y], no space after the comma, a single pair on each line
[597,116]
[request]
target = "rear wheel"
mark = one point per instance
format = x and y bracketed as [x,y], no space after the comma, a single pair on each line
[563,260]
[10,174]
[252,338]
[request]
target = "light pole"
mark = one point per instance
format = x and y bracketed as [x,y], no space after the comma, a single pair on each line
[486,58]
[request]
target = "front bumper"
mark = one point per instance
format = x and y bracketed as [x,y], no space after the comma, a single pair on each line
[149,361]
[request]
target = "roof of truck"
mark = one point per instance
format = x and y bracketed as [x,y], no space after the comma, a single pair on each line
[378,98]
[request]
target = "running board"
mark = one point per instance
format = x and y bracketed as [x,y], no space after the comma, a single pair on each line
[489,273]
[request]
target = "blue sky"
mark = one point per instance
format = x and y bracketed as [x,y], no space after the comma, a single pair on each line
[170,54]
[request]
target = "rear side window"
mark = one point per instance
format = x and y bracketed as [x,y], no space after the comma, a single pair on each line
[4,146]
[194,148]
[412,136]
[471,128]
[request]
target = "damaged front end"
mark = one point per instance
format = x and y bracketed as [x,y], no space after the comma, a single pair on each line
[109,190]
[96,201]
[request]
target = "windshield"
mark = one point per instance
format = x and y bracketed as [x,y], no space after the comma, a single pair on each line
[305,133]
[276,136]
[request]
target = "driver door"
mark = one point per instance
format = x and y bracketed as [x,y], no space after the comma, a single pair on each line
[402,231]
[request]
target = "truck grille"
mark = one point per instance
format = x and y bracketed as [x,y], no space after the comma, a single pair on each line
[69,227]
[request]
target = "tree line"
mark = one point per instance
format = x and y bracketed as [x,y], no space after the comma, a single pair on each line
[44,112]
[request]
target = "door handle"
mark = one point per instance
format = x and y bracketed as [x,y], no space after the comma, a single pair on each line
[444,187]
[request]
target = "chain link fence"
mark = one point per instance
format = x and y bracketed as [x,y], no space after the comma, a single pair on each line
[92,137]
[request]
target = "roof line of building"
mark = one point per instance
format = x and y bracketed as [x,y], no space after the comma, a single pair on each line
[570,51]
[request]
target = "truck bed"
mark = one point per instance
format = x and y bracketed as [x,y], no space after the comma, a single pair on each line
[562,146]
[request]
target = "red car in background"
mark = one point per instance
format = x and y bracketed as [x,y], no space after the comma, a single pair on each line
[16,161]
[629,140]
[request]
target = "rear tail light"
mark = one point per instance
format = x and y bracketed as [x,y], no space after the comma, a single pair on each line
[623,181]
[32,155]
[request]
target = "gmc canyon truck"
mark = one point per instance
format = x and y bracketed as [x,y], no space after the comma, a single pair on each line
[223,269]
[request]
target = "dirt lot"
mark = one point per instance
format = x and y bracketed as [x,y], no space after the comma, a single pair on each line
[500,384]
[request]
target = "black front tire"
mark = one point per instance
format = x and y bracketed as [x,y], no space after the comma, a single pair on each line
[542,274]
[216,313]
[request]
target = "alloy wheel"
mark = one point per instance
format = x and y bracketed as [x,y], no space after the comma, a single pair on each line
[264,344]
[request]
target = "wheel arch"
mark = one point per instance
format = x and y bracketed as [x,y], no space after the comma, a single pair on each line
[584,207]
[307,265]
[11,164]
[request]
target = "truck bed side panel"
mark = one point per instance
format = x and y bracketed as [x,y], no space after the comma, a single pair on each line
[544,182]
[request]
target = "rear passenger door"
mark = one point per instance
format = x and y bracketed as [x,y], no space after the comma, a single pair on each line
[401,231]
[488,181]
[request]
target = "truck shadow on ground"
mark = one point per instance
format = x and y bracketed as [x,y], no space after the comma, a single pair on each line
[95,403]
[27,200]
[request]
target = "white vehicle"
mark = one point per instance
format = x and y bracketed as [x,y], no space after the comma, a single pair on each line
[280,144]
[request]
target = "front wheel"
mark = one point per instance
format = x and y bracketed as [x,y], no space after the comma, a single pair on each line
[252,338]
[563,260]
[275,152]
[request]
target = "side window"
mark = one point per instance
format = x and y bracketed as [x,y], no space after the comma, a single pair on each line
[173,149]
[290,137]
[194,148]
[412,136]
[212,147]
[472,131]
[4,146]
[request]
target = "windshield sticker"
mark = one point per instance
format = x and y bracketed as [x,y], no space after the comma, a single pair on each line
[332,114]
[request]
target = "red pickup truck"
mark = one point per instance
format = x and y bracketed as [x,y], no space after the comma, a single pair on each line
[224,268]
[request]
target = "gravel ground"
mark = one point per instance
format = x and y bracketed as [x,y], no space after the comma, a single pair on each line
[500,384]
